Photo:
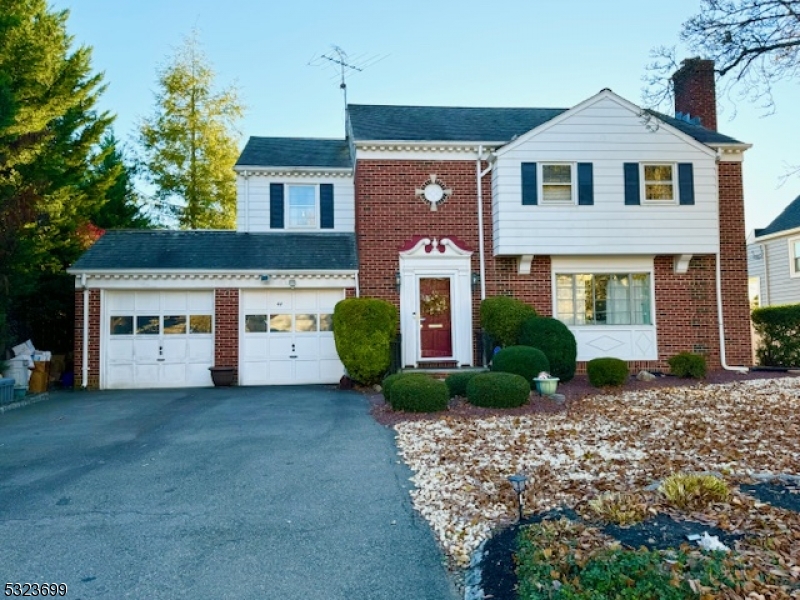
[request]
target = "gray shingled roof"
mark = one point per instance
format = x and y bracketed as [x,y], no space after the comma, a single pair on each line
[459,124]
[130,250]
[295,152]
[788,219]
[444,123]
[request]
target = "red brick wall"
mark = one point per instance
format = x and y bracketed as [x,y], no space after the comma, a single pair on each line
[94,339]
[695,91]
[736,307]
[226,328]
[388,214]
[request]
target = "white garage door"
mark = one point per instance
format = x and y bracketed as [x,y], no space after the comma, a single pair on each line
[158,339]
[287,337]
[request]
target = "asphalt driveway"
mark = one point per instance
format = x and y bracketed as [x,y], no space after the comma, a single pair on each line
[211,493]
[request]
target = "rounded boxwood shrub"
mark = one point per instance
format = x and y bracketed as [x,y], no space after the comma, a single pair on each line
[501,318]
[498,390]
[687,364]
[607,371]
[457,383]
[555,339]
[418,393]
[390,380]
[362,330]
[523,360]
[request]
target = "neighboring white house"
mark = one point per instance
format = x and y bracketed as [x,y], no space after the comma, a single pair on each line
[773,260]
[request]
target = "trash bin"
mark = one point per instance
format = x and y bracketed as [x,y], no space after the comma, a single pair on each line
[39,378]
[19,369]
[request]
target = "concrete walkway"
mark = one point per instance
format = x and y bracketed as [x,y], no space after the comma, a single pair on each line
[211,493]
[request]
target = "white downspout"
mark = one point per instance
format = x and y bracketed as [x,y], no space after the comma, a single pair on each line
[722,357]
[358,286]
[481,253]
[85,349]
[766,276]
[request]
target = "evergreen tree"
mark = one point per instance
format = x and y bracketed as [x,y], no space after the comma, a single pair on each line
[123,208]
[50,180]
[190,142]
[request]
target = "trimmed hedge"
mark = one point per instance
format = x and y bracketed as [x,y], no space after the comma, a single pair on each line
[362,330]
[779,329]
[413,392]
[457,383]
[557,342]
[501,318]
[523,360]
[687,364]
[498,390]
[390,380]
[607,371]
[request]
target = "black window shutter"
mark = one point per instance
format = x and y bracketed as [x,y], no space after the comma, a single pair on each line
[326,206]
[276,206]
[632,193]
[686,183]
[529,191]
[585,184]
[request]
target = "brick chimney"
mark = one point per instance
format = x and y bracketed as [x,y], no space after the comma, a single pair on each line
[695,91]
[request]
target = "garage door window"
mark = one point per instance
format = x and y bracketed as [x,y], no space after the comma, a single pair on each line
[151,325]
[282,323]
[148,325]
[326,322]
[305,323]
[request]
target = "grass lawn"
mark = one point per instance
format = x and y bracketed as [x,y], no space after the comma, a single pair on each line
[621,443]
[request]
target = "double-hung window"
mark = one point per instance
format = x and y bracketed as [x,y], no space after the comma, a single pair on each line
[557,183]
[302,206]
[659,183]
[794,257]
[604,298]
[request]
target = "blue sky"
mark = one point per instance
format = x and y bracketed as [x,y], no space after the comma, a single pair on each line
[438,52]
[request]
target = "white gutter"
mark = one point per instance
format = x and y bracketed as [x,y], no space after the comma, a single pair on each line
[85,349]
[481,252]
[722,358]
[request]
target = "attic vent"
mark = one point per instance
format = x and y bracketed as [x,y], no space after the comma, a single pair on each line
[687,118]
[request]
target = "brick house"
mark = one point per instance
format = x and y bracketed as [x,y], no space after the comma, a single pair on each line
[625,224]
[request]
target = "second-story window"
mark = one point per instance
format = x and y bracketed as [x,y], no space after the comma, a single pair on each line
[659,183]
[557,184]
[302,207]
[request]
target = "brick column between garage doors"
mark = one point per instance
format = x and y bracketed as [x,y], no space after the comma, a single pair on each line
[226,328]
[94,340]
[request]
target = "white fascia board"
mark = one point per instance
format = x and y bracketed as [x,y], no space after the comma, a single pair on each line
[425,144]
[207,272]
[741,147]
[777,234]
[255,169]
[603,95]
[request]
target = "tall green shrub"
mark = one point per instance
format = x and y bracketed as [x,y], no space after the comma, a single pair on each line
[779,330]
[501,318]
[555,339]
[362,330]
[523,360]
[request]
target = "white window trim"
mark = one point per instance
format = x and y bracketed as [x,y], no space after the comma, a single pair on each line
[572,179]
[643,184]
[288,207]
[793,273]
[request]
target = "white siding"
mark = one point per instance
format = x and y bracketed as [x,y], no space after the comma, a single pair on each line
[775,272]
[252,201]
[607,134]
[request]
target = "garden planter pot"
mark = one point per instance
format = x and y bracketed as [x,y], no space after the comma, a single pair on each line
[223,376]
[546,387]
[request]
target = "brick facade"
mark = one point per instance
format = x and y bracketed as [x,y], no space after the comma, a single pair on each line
[94,339]
[388,214]
[226,328]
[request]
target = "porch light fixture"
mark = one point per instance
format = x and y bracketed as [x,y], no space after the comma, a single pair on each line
[292,283]
[518,483]
[476,280]
[397,280]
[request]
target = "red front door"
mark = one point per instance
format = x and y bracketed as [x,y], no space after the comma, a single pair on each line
[435,309]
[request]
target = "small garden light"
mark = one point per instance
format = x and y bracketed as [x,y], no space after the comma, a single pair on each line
[519,483]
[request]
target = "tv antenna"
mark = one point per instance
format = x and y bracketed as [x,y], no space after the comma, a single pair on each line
[344,64]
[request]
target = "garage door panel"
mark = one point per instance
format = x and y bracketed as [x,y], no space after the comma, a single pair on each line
[148,340]
[297,324]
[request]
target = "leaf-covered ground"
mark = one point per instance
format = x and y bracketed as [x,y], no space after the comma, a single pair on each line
[612,443]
